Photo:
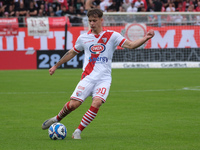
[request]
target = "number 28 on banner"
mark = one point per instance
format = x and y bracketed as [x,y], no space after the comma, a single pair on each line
[38,26]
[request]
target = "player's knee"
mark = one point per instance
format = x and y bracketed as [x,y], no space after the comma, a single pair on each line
[97,103]
[74,104]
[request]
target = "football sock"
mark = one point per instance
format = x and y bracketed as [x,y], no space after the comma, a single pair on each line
[88,117]
[64,112]
[78,130]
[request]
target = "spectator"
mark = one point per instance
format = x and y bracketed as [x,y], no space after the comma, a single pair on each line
[11,11]
[113,7]
[52,14]
[42,8]
[194,2]
[89,4]
[22,10]
[50,10]
[16,4]
[26,3]
[122,9]
[144,3]
[55,5]
[63,3]
[150,6]
[72,15]
[118,3]
[47,4]
[132,8]
[191,8]
[40,2]
[180,8]
[1,12]
[126,4]
[186,4]
[71,11]
[40,13]
[6,15]
[157,5]
[139,4]
[78,5]
[176,3]
[198,6]
[105,4]
[81,13]
[6,4]
[32,9]
[166,3]
[96,3]
[170,8]
[71,2]
[62,12]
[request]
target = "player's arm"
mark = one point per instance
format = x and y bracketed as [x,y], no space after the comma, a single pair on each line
[134,44]
[68,56]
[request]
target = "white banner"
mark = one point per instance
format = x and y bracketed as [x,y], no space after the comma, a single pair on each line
[156,65]
[38,26]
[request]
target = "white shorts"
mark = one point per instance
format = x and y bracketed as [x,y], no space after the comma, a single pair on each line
[96,89]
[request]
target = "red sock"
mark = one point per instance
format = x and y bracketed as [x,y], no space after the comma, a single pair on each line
[88,117]
[64,112]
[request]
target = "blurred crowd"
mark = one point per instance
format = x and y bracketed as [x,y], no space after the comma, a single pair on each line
[78,8]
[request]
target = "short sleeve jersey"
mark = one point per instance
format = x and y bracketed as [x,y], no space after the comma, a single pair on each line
[98,50]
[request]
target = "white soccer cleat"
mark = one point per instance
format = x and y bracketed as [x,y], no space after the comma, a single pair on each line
[48,123]
[76,135]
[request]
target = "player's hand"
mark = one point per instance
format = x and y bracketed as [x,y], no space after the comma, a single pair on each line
[150,34]
[52,70]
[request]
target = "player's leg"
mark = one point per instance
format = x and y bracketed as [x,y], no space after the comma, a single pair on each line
[100,94]
[88,117]
[67,109]
[81,92]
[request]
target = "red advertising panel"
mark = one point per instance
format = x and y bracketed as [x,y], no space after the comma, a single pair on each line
[57,22]
[13,60]
[8,26]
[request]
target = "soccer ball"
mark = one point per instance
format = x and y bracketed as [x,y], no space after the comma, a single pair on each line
[57,131]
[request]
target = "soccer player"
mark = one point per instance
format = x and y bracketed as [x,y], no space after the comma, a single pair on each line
[98,45]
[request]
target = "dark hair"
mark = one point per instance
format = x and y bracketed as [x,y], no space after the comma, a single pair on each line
[95,12]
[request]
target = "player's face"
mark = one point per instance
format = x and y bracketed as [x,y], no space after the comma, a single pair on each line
[95,24]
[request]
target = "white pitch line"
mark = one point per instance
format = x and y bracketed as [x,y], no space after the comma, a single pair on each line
[9,93]
[121,91]
[161,90]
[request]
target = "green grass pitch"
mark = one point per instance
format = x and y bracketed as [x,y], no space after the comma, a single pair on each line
[147,109]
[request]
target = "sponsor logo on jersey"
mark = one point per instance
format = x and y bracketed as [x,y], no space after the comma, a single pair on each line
[98,59]
[88,41]
[97,48]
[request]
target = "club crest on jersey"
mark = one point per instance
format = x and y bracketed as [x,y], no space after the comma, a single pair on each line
[97,48]
[78,93]
[104,40]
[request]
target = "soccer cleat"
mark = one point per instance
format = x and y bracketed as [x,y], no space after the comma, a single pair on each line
[76,135]
[48,123]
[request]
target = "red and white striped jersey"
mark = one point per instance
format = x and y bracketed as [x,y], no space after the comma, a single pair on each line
[98,50]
